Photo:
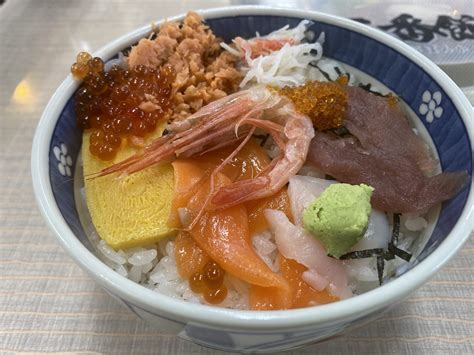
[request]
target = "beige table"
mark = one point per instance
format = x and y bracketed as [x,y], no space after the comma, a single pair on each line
[47,304]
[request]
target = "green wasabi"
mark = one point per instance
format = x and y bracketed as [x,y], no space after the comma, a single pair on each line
[339,216]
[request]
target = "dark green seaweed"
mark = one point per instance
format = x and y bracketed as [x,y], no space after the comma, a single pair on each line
[382,255]
[325,74]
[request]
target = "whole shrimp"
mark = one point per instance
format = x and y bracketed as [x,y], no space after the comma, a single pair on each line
[227,121]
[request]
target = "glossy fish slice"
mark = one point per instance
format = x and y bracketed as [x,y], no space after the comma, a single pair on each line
[224,235]
[190,258]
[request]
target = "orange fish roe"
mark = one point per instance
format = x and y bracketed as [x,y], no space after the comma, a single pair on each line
[392,100]
[324,102]
[210,282]
[119,103]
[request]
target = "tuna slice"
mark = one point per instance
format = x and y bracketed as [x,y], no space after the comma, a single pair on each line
[385,153]
[295,243]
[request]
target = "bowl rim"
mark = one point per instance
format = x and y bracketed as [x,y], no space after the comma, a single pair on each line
[182,311]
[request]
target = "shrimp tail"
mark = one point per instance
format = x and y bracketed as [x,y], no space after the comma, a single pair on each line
[239,192]
[294,145]
[210,126]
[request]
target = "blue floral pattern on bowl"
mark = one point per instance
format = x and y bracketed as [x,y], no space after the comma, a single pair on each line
[418,90]
[431,106]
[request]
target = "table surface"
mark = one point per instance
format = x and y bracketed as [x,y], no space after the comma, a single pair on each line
[48,304]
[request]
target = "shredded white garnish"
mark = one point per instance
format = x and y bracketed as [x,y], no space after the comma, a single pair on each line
[297,33]
[285,66]
[230,49]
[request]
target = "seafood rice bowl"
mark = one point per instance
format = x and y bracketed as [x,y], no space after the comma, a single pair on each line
[256,169]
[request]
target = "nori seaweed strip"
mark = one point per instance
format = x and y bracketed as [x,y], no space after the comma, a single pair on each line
[341,131]
[329,177]
[396,229]
[388,254]
[368,87]
[392,246]
[313,52]
[382,254]
[380,267]
[340,73]
[362,254]
[402,254]
[325,74]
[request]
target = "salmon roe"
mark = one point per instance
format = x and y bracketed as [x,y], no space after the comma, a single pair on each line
[109,104]
[324,102]
[392,100]
[210,283]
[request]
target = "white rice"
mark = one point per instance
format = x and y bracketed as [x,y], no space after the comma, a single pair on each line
[155,268]
[414,223]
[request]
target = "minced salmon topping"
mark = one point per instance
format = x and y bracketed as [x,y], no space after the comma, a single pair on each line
[204,71]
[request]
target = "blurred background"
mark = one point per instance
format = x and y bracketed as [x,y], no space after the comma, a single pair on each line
[47,304]
[441,30]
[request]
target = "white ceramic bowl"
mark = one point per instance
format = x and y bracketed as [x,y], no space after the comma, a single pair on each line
[410,75]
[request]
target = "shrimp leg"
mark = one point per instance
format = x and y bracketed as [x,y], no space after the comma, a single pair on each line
[298,132]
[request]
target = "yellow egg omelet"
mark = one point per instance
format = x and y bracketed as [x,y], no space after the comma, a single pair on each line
[132,210]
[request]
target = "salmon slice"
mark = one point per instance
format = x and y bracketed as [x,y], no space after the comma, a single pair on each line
[224,235]
[188,178]
[190,173]
[190,258]
[266,299]
[257,221]
[302,294]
